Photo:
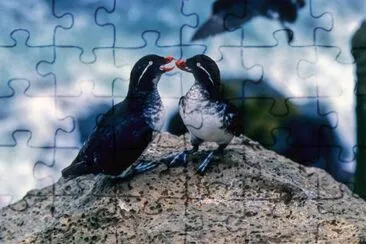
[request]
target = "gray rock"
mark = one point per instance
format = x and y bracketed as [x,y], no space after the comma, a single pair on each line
[253,195]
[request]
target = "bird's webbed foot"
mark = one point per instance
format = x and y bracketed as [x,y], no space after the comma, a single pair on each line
[179,159]
[144,166]
[209,159]
[141,167]
[205,163]
[176,159]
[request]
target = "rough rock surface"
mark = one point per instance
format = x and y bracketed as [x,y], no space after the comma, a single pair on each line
[253,195]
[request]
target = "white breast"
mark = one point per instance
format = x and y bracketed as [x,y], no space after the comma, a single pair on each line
[203,122]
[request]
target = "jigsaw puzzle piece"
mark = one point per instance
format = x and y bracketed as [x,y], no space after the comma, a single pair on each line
[21,61]
[331,77]
[36,17]
[264,90]
[215,45]
[85,109]
[283,71]
[295,126]
[311,136]
[152,44]
[231,61]
[202,12]
[35,114]
[17,164]
[133,18]
[342,149]
[63,155]
[311,21]
[69,72]
[344,18]
[199,10]
[83,25]
[264,114]
[343,162]
[335,95]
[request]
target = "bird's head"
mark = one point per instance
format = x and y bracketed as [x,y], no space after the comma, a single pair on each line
[205,71]
[146,72]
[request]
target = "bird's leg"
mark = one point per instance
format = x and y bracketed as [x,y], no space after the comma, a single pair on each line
[210,158]
[178,159]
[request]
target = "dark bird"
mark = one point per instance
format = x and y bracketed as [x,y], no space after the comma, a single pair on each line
[123,133]
[206,115]
[227,15]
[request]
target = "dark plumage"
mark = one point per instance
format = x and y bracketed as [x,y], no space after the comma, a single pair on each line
[127,128]
[206,115]
[228,15]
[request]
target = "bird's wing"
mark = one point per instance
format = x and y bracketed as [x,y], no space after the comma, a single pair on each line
[233,119]
[118,135]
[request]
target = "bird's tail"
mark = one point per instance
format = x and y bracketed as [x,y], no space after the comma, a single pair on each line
[76,169]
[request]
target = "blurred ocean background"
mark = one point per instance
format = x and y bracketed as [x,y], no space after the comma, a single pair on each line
[65,62]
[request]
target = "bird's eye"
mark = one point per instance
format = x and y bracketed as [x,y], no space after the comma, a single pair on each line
[150,62]
[198,64]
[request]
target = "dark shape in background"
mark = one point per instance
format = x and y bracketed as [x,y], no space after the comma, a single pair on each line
[227,15]
[359,53]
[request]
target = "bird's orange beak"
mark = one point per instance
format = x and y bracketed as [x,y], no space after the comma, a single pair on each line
[168,59]
[181,64]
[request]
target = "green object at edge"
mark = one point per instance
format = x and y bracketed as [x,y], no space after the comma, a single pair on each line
[359,53]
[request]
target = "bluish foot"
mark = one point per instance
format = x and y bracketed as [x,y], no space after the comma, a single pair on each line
[177,159]
[140,168]
[144,166]
[201,169]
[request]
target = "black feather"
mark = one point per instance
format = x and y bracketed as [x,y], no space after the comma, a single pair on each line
[123,133]
[117,141]
[233,119]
